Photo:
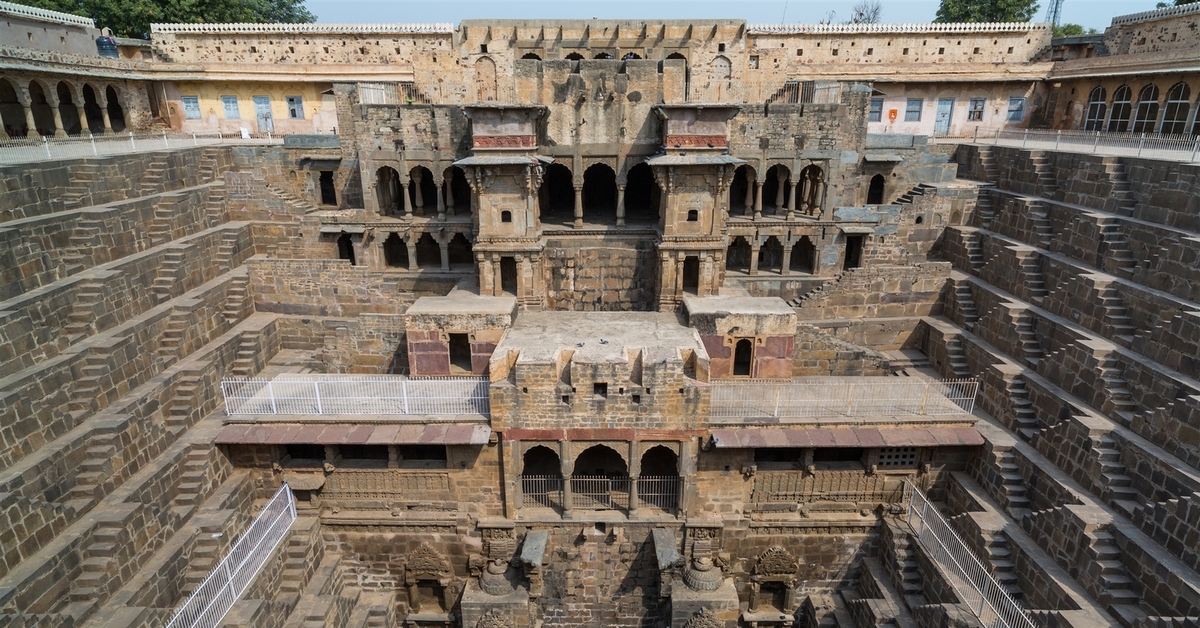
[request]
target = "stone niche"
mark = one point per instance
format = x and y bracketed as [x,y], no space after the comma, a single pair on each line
[504,127]
[455,334]
[695,127]
[751,337]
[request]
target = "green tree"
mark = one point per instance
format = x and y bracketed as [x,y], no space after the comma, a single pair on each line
[986,11]
[1071,30]
[132,18]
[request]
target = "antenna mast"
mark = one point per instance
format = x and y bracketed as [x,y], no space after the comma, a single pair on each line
[1054,12]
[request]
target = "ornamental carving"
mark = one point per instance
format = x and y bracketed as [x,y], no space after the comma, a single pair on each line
[775,561]
[494,619]
[427,563]
[505,141]
[704,619]
[696,141]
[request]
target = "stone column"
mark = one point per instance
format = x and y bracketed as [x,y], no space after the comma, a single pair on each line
[805,204]
[781,176]
[441,204]
[29,121]
[449,195]
[83,121]
[418,199]
[706,270]
[819,198]
[411,242]
[757,200]
[791,203]
[104,112]
[579,207]
[748,202]
[568,469]
[444,245]
[620,205]
[635,471]
[486,283]
[785,267]
[58,127]
[679,259]
[754,249]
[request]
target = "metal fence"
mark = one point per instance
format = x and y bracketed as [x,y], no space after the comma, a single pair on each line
[1182,147]
[599,492]
[661,492]
[207,606]
[402,93]
[842,397]
[356,395]
[541,490]
[29,150]
[790,487]
[971,580]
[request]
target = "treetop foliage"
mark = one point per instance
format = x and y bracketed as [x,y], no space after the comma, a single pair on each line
[986,11]
[132,18]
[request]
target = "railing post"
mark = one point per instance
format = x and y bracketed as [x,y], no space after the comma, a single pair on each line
[1195,148]
[46,145]
[924,398]
[194,143]
[975,138]
[1025,138]
[404,393]
[271,395]
[92,139]
[317,390]
[1141,143]
[132,144]
[1057,139]
[1096,143]
[165,143]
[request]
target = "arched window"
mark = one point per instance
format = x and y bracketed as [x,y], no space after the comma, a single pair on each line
[770,255]
[116,114]
[556,198]
[395,251]
[642,195]
[722,69]
[630,55]
[11,111]
[456,192]
[1118,119]
[346,248]
[776,188]
[389,193]
[1096,108]
[67,110]
[574,56]
[875,192]
[530,55]
[602,55]
[741,191]
[485,79]
[600,194]
[1176,112]
[422,192]
[1147,110]
[743,357]
[804,256]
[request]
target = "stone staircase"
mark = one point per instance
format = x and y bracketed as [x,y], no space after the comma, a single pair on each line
[1119,486]
[1031,349]
[1012,484]
[94,470]
[1116,249]
[1116,389]
[214,206]
[905,573]
[243,365]
[167,278]
[84,311]
[988,161]
[78,186]
[1046,183]
[999,556]
[154,175]
[975,253]
[84,237]
[290,199]
[1118,178]
[985,210]
[237,298]
[1116,315]
[185,402]
[1042,230]
[1117,596]
[208,164]
[171,345]
[1033,279]
[966,304]
[227,250]
[1025,421]
[195,477]
[957,357]
[87,389]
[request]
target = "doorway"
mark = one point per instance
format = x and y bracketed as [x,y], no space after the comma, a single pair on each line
[743,356]
[854,251]
[875,191]
[508,275]
[262,113]
[691,274]
[945,111]
[328,193]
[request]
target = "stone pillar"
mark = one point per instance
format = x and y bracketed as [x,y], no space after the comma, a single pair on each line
[706,273]
[579,207]
[754,249]
[104,112]
[785,267]
[805,205]
[486,283]
[748,202]
[635,471]
[411,243]
[568,469]
[418,199]
[58,127]
[441,204]
[791,203]
[449,195]
[83,121]
[757,200]
[29,121]
[444,245]
[819,198]
[620,205]
[781,177]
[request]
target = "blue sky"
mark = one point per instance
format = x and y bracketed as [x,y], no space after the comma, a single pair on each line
[1094,14]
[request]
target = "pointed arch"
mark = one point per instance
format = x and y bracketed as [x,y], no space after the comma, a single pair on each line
[485,79]
[1096,109]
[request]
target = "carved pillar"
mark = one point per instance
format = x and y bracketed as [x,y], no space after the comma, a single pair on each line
[83,121]
[411,242]
[785,267]
[414,598]
[444,245]
[441,204]
[754,249]
[679,259]
[29,121]
[449,203]
[486,283]
[400,191]
[620,205]
[805,193]
[748,202]
[579,207]
[635,471]
[757,200]
[58,127]
[418,199]
[568,469]
[819,198]
[781,177]
[791,203]
[706,270]
[103,104]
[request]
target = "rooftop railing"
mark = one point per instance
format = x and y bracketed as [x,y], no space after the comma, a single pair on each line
[972,581]
[842,397]
[45,15]
[1183,147]
[356,395]
[31,150]
[923,27]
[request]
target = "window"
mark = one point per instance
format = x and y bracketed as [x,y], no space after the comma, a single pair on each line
[753,62]
[306,452]
[191,107]
[1118,121]
[912,111]
[975,110]
[720,47]
[876,112]
[1094,119]
[506,216]
[230,104]
[1176,113]
[1016,109]
[421,456]
[898,458]
[1147,110]
[460,352]
[693,215]
[600,390]
[295,105]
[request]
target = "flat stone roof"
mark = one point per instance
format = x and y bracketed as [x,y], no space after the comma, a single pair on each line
[462,302]
[599,336]
[737,304]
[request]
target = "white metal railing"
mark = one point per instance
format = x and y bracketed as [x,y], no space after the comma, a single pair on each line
[971,580]
[1156,14]
[306,29]
[842,397]
[659,491]
[1182,147]
[600,492]
[541,490]
[29,150]
[390,94]
[355,395]
[207,606]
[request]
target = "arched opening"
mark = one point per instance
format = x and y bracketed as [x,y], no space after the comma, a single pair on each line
[91,110]
[556,198]
[775,189]
[600,480]
[600,194]
[1118,120]
[854,251]
[642,196]
[658,482]
[574,56]
[541,478]
[770,255]
[43,113]
[116,115]
[722,69]
[875,191]
[429,253]
[388,191]
[741,191]
[602,55]
[630,55]
[1176,112]
[12,114]
[743,357]
[676,55]
[1147,110]
[395,251]
[530,55]
[737,257]
[456,191]
[1093,119]
[601,460]
[346,248]
[804,256]
[691,274]
[67,109]
[485,79]
[460,253]
[812,189]
[422,191]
